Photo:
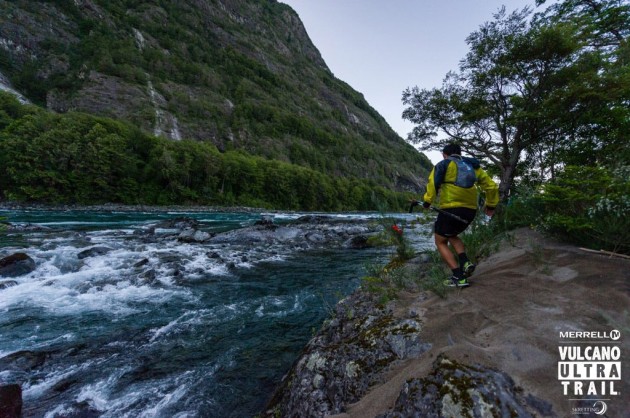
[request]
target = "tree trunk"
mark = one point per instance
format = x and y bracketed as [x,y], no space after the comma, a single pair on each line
[507,178]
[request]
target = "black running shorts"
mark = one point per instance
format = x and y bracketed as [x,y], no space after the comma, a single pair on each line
[448,226]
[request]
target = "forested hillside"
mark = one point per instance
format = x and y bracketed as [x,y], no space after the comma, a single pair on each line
[241,75]
[80,159]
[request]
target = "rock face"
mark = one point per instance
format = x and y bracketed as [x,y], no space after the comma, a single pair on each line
[361,341]
[241,74]
[17,264]
[348,355]
[453,389]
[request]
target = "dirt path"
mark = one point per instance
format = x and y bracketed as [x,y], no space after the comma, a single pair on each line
[511,317]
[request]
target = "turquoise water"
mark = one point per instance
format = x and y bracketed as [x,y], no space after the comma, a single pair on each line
[159,328]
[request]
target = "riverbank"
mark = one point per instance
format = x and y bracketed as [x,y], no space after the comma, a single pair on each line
[115,207]
[493,348]
[123,314]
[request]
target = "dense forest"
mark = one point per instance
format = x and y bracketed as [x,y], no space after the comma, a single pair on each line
[81,159]
[544,100]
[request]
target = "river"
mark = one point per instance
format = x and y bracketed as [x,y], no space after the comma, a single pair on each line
[161,328]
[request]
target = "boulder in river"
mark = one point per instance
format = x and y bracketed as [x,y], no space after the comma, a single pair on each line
[17,264]
[7,283]
[23,360]
[193,235]
[92,252]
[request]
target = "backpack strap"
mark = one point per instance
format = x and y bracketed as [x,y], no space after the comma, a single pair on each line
[440,173]
[455,158]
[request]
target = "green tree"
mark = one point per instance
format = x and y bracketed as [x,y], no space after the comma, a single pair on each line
[495,105]
[591,112]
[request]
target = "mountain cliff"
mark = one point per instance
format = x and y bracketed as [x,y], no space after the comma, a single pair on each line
[240,74]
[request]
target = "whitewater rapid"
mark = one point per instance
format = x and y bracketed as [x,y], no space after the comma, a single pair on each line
[146,325]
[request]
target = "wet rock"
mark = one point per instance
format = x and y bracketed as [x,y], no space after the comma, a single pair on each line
[17,264]
[455,389]
[64,384]
[178,223]
[315,237]
[354,230]
[357,243]
[81,410]
[26,227]
[248,236]
[141,263]
[148,276]
[10,401]
[287,234]
[93,252]
[265,220]
[167,229]
[67,264]
[192,235]
[23,360]
[169,258]
[7,283]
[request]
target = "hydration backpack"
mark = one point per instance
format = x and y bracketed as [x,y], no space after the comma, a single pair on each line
[466,176]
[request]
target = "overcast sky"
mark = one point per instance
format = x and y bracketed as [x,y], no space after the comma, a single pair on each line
[381,47]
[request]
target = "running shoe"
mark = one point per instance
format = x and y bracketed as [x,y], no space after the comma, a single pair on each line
[456,282]
[468,268]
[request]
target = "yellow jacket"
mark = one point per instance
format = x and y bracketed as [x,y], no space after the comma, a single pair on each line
[442,178]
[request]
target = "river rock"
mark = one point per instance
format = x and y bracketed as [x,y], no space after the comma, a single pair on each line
[141,263]
[357,243]
[265,220]
[93,252]
[454,389]
[7,283]
[23,360]
[81,410]
[26,227]
[10,401]
[193,235]
[178,223]
[17,264]
[315,237]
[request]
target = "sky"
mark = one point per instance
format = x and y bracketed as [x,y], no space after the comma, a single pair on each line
[381,47]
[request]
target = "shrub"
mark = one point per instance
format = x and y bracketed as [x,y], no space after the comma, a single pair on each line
[588,206]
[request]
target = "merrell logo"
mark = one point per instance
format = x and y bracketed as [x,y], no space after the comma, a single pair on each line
[596,335]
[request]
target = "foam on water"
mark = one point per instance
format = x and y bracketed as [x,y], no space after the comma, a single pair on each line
[62,295]
[33,391]
[188,319]
[155,326]
[276,307]
[152,398]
